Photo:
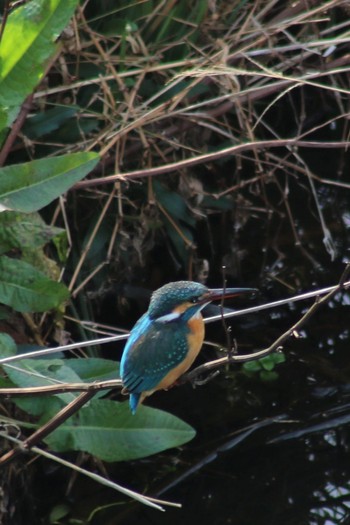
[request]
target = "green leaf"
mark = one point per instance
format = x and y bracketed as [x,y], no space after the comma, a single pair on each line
[19,230]
[42,372]
[58,512]
[7,346]
[47,121]
[252,366]
[32,185]
[108,430]
[224,203]
[267,363]
[268,375]
[270,361]
[95,369]
[278,357]
[174,204]
[27,43]
[45,406]
[26,289]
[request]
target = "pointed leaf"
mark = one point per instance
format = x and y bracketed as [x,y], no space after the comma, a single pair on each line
[108,430]
[95,369]
[27,43]
[26,289]
[32,185]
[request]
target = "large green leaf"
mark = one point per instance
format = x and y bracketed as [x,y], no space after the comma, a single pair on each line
[108,430]
[27,43]
[26,289]
[32,185]
[95,368]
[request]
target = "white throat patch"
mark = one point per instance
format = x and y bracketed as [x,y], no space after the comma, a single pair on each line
[167,318]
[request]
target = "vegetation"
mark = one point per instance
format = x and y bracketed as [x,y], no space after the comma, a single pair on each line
[159,142]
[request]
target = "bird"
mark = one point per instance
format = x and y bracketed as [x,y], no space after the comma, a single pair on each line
[165,341]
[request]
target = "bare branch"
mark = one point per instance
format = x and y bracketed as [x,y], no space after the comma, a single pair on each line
[211,319]
[61,388]
[277,344]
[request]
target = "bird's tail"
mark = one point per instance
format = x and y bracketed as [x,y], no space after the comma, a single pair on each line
[134,401]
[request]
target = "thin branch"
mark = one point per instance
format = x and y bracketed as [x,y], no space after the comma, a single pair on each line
[331,291]
[152,502]
[4,17]
[16,127]
[49,427]
[210,157]
[213,318]
[62,388]
[277,344]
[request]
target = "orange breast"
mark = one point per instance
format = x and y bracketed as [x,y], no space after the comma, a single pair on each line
[195,341]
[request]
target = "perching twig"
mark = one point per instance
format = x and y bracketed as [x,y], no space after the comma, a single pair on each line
[61,388]
[4,17]
[277,344]
[190,376]
[213,318]
[90,389]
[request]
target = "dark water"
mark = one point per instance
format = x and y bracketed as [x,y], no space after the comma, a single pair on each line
[267,451]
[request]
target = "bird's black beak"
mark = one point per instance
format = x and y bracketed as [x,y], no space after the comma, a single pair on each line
[220,293]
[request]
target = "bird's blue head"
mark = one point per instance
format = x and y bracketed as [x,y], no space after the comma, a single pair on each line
[167,299]
[185,299]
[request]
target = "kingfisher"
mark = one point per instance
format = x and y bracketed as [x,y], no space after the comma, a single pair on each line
[166,340]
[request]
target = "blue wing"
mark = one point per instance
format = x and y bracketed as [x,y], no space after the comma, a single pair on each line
[140,328]
[152,350]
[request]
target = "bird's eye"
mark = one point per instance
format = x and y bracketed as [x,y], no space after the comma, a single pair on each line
[194,300]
